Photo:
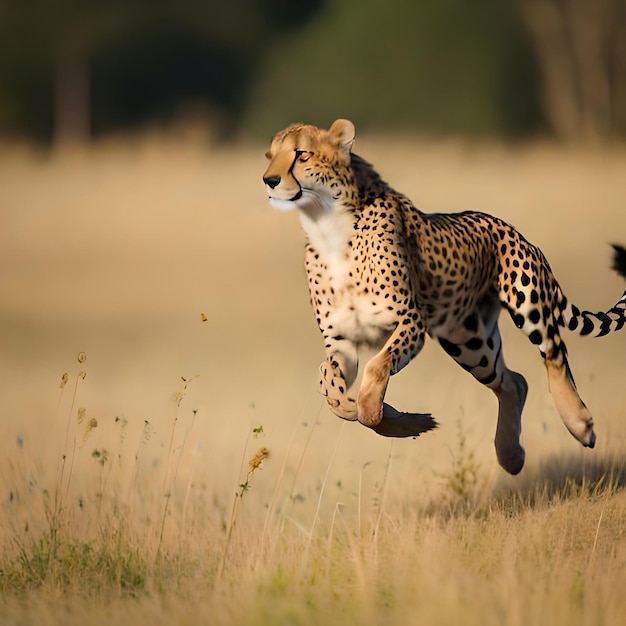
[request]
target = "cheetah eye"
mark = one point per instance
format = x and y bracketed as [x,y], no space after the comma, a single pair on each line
[303,155]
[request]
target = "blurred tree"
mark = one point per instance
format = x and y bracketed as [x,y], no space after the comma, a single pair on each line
[57,39]
[195,54]
[101,64]
[581,46]
[436,66]
[73,68]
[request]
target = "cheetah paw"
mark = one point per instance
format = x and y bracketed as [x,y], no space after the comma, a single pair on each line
[398,424]
[334,388]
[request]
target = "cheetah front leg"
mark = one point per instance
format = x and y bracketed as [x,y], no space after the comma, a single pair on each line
[404,343]
[338,373]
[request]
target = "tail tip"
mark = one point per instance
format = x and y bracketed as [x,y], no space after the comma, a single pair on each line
[619,259]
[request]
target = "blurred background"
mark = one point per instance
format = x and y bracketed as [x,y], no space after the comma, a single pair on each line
[157,219]
[75,70]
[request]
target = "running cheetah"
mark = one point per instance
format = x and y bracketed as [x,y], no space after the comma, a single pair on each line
[382,275]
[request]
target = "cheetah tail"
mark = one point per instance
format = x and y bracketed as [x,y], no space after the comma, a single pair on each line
[600,324]
[619,260]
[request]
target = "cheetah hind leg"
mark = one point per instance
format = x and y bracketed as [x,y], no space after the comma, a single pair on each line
[511,396]
[571,408]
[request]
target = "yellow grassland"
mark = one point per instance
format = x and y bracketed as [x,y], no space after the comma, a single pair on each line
[188,471]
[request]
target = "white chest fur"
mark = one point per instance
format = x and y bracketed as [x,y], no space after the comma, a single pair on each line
[329,235]
[344,292]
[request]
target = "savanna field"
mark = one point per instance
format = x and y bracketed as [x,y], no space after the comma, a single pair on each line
[166,457]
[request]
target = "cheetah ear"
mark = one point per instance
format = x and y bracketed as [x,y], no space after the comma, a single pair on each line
[342,131]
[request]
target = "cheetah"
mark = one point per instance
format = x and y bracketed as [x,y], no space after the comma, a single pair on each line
[382,275]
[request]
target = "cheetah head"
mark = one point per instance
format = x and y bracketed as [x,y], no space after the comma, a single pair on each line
[303,161]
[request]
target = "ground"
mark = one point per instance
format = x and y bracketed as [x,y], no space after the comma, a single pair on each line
[119,251]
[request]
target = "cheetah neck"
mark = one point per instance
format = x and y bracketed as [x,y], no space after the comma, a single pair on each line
[328,224]
[329,218]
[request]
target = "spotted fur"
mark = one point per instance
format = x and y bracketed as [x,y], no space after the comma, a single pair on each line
[382,275]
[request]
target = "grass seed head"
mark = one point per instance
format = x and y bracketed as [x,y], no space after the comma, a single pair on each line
[91,424]
[257,460]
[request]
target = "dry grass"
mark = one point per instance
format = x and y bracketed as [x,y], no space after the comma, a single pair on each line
[133,495]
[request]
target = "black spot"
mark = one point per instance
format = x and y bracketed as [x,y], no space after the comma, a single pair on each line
[588,326]
[451,348]
[475,343]
[535,337]
[534,316]
[518,319]
[471,322]
[525,279]
[605,324]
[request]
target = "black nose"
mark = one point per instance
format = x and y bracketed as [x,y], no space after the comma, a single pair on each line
[271,181]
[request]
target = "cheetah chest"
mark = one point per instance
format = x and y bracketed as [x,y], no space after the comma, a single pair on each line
[348,308]
[345,287]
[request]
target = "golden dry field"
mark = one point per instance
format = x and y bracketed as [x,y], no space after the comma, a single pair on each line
[131,493]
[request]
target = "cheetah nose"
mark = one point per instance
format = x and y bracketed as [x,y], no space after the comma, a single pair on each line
[271,181]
